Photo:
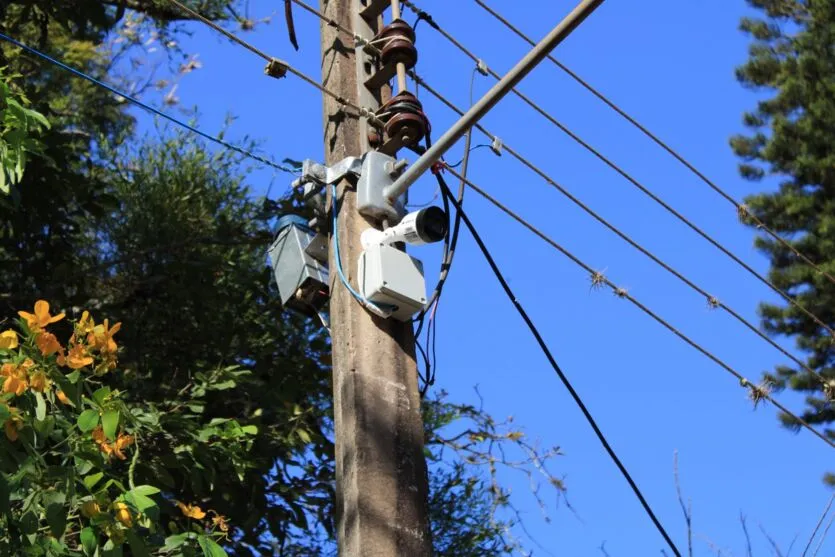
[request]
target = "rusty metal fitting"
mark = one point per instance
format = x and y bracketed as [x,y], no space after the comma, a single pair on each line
[398,44]
[406,119]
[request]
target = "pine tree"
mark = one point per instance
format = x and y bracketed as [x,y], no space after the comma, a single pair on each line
[792,139]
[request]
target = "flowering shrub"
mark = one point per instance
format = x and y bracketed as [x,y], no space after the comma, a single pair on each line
[70,447]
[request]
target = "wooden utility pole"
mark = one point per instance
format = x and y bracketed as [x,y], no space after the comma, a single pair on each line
[381,476]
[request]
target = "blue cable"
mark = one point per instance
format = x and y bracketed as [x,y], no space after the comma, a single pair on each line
[375,308]
[139,103]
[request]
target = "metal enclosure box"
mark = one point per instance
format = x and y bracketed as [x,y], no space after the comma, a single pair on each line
[393,278]
[302,280]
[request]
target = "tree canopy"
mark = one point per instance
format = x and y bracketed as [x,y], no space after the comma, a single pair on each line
[792,133]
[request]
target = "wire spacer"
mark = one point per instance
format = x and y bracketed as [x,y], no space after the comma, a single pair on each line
[482,68]
[438,168]
[497,145]
[276,68]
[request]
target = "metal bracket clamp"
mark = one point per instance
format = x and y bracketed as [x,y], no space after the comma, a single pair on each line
[317,173]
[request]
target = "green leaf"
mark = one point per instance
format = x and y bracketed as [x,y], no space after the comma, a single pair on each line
[40,408]
[88,420]
[110,423]
[28,523]
[146,490]
[89,541]
[173,542]
[250,429]
[137,546]
[110,549]
[4,413]
[56,513]
[91,480]
[141,502]
[100,396]
[210,547]
[303,435]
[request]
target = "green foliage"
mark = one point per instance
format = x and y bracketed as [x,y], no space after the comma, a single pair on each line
[792,133]
[18,129]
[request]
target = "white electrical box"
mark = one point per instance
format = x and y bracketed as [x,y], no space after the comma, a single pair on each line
[393,279]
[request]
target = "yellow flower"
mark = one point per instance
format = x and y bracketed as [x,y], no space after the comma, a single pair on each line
[219,521]
[123,513]
[13,424]
[8,340]
[122,442]
[62,396]
[39,381]
[78,357]
[86,323]
[102,337]
[48,344]
[41,318]
[90,509]
[191,511]
[16,381]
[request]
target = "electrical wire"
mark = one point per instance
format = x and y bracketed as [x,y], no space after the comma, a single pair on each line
[563,378]
[376,309]
[147,107]
[741,209]
[360,111]
[753,272]
[550,181]
[598,279]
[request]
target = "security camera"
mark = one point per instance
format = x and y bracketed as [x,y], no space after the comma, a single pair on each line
[426,226]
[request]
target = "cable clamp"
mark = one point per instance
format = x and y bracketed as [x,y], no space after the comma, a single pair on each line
[276,68]
[482,68]
[497,145]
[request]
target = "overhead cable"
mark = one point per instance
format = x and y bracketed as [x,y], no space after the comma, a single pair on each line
[563,378]
[742,210]
[280,64]
[753,272]
[757,392]
[149,108]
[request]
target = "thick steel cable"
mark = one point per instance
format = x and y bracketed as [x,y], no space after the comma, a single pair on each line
[599,278]
[556,367]
[360,111]
[690,224]
[741,209]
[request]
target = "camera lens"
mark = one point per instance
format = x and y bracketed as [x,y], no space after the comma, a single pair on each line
[432,224]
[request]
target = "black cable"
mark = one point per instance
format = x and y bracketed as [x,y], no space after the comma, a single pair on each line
[544,347]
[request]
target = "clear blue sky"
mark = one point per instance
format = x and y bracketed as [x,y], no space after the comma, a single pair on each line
[671,64]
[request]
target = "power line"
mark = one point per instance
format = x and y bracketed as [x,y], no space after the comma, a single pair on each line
[563,378]
[282,65]
[598,279]
[631,180]
[742,210]
[711,300]
[137,102]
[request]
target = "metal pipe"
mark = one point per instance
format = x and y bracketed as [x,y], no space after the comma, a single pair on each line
[400,66]
[493,96]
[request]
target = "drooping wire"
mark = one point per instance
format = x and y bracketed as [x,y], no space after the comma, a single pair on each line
[144,106]
[360,111]
[641,187]
[598,279]
[741,209]
[364,302]
[563,378]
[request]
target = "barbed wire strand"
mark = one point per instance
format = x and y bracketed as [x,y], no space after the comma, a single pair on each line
[360,111]
[742,210]
[624,174]
[599,278]
[147,107]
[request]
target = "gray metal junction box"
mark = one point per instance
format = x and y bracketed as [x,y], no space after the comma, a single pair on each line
[301,278]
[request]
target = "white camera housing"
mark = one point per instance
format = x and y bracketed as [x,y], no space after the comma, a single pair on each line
[418,228]
[393,280]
